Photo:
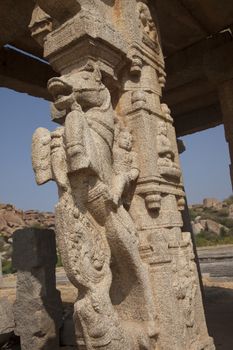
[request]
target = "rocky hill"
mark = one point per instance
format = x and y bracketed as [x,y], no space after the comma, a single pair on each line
[12,219]
[212,221]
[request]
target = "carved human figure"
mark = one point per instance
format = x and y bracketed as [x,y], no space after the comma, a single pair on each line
[125,166]
[166,164]
[146,20]
[185,287]
[91,222]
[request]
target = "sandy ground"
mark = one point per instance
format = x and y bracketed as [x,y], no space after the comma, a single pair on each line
[218,305]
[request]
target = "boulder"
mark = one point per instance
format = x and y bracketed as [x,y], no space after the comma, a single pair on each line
[197,228]
[231,211]
[215,227]
[197,219]
[13,219]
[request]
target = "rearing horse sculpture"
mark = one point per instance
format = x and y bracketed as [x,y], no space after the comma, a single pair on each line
[91,160]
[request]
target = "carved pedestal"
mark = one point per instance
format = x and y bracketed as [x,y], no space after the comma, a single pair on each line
[115,161]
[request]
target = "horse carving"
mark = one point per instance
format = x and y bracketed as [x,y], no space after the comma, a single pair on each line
[90,157]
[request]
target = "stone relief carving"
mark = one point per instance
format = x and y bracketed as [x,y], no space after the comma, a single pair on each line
[92,172]
[40,25]
[125,165]
[147,22]
[165,163]
[148,27]
[186,288]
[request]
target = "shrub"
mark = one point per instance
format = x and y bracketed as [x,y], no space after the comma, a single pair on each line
[228,222]
[59,261]
[192,214]
[7,267]
[229,200]
[204,239]
[223,212]
[38,225]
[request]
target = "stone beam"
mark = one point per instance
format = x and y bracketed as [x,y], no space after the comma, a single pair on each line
[196,62]
[193,75]
[14,19]
[198,120]
[24,73]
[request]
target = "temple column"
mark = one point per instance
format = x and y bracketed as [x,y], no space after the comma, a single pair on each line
[38,306]
[226,100]
[1,274]
[218,68]
[115,161]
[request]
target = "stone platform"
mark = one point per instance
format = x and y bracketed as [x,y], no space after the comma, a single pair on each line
[217,261]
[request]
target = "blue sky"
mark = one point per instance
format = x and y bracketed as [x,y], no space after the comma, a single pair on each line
[205,162]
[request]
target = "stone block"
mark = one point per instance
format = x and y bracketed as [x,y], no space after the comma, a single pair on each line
[197,228]
[1,276]
[38,307]
[7,324]
[33,248]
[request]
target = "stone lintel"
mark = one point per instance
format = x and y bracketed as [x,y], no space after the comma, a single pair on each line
[193,78]
[24,74]
[198,120]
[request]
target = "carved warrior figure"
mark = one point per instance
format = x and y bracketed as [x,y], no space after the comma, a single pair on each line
[91,160]
[166,164]
[146,20]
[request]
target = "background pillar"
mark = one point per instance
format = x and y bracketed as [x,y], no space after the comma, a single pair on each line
[38,308]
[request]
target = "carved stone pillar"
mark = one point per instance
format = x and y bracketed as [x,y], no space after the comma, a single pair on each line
[219,71]
[1,277]
[225,94]
[116,164]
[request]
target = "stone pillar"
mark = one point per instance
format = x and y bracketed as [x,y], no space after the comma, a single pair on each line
[1,276]
[7,323]
[38,308]
[116,164]
[187,227]
[226,99]
[218,68]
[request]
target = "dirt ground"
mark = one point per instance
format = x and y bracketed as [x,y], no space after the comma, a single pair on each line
[218,303]
[219,312]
